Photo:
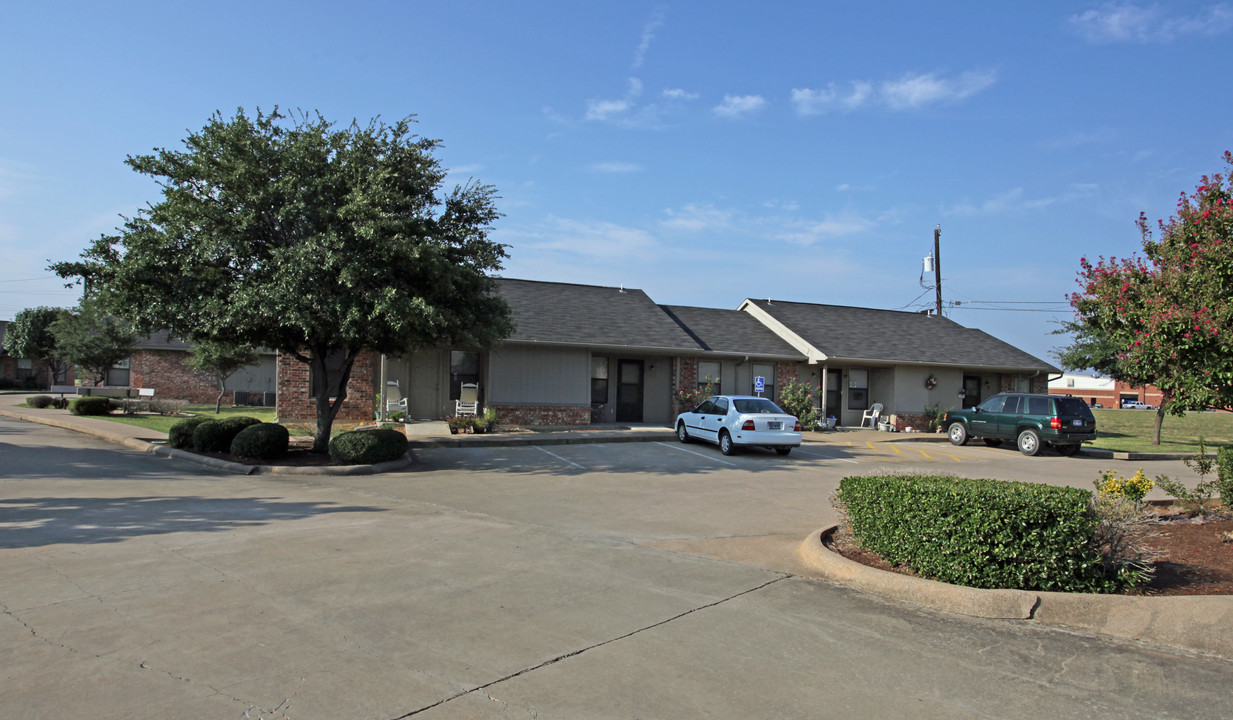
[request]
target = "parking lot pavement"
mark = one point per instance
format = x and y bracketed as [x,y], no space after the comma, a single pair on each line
[496,583]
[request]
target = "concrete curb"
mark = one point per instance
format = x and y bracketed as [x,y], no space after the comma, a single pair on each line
[525,440]
[151,448]
[1202,623]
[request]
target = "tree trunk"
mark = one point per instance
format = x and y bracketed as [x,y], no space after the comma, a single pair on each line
[325,411]
[1160,413]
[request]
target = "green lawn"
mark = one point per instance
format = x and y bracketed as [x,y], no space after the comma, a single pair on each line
[163,423]
[1131,431]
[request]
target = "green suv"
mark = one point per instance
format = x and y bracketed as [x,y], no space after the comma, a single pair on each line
[1030,420]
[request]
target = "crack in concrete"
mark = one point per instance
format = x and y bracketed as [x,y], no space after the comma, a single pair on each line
[483,688]
[4,609]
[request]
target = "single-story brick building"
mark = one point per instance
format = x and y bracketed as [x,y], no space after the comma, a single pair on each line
[584,354]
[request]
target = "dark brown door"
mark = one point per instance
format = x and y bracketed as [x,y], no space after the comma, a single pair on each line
[971,391]
[629,391]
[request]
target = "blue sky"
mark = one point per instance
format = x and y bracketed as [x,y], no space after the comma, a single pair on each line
[704,151]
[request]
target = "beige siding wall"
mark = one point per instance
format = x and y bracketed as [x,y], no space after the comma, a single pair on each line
[911,395]
[541,376]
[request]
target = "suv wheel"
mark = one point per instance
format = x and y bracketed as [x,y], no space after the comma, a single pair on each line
[1029,442]
[958,434]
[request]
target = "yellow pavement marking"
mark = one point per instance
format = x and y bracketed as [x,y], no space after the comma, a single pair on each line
[883,446]
[922,452]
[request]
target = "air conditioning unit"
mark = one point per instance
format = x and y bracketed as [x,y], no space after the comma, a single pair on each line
[241,397]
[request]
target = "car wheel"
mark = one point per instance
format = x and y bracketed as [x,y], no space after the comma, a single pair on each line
[1067,450]
[783,451]
[725,443]
[958,434]
[681,433]
[993,443]
[1029,442]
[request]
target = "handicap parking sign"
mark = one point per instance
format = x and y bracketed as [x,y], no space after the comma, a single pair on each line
[759,384]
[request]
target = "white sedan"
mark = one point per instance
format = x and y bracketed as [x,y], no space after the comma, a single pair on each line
[731,421]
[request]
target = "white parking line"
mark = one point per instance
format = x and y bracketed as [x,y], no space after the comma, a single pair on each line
[691,452]
[558,457]
[828,457]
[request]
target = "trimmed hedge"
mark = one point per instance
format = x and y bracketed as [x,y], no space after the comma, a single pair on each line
[216,435]
[263,441]
[180,436]
[365,447]
[90,405]
[39,401]
[980,533]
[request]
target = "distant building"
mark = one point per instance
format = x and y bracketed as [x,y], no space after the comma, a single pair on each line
[1105,392]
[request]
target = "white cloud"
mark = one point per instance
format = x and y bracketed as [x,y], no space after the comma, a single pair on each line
[914,91]
[737,105]
[1009,201]
[606,109]
[809,232]
[679,94]
[910,92]
[593,240]
[648,34]
[818,102]
[696,218]
[614,167]
[1116,22]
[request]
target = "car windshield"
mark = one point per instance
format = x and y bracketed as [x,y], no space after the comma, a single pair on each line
[1072,406]
[756,405]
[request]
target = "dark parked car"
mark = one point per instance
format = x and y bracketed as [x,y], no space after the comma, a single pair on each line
[1031,421]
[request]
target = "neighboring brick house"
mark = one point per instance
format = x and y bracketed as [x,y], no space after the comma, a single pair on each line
[1105,392]
[158,362]
[26,372]
[584,354]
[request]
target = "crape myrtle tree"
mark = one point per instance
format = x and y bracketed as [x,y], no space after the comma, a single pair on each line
[1168,316]
[290,233]
[220,362]
[29,335]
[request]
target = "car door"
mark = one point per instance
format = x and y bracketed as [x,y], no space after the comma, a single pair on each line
[1009,416]
[714,422]
[984,422]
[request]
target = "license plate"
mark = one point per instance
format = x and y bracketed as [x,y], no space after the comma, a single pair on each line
[1077,423]
[774,426]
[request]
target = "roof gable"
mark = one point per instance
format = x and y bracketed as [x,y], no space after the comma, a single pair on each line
[852,333]
[730,332]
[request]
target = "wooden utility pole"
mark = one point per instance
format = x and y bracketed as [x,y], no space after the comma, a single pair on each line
[937,265]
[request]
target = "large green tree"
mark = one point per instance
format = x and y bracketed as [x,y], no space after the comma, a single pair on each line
[220,362]
[93,339]
[29,335]
[1168,316]
[321,242]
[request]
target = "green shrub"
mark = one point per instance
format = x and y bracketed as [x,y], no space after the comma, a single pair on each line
[216,435]
[796,398]
[981,533]
[90,405]
[180,435]
[1224,475]
[264,441]
[365,447]
[39,401]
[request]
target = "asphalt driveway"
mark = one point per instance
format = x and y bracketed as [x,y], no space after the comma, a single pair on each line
[586,581]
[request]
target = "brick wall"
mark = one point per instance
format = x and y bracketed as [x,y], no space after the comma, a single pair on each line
[544,415]
[166,373]
[295,404]
[686,378]
[785,372]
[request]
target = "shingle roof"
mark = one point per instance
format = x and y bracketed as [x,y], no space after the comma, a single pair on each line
[590,315]
[852,333]
[731,332]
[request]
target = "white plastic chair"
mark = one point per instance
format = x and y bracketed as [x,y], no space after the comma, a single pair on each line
[468,400]
[872,415]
